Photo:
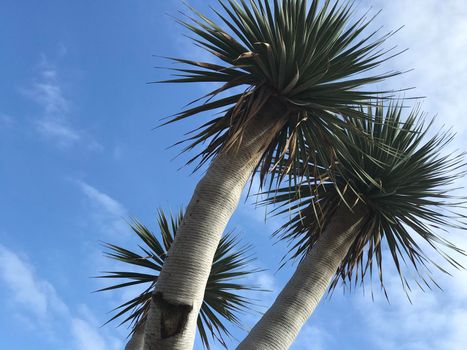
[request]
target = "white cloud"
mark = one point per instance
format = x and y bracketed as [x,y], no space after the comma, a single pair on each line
[86,337]
[262,299]
[107,212]
[265,281]
[109,216]
[48,93]
[434,320]
[57,129]
[103,200]
[35,296]
[436,37]
[54,122]
[87,334]
[36,302]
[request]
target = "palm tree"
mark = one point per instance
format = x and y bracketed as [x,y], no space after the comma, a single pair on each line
[338,228]
[222,301]
[300,67]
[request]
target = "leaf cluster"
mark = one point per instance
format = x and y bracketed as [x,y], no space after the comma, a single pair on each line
[315,59]
[223,298]
[405,189]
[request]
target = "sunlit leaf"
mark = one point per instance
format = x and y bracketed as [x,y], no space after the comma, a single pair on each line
[317,61]
[407,191]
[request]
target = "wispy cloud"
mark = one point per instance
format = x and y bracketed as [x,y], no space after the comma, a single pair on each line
[37,302]
[109,217]
[436,37]
[107,212]
[107,203]
[434,320]
[36,296]
[265,280]
[262,298]
[86,337]
[47,92]
[54,122]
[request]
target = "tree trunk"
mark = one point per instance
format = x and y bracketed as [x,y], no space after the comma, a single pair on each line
[179,292]
[280,325]
[137,339]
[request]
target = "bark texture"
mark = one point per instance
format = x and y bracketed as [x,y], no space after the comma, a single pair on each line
[280,325]
[136,341]
[171,324]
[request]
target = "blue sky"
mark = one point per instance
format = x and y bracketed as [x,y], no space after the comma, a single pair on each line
[78,157]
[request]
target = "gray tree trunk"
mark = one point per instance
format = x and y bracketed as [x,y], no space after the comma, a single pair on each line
[136,341]
[171,324]
[280,325]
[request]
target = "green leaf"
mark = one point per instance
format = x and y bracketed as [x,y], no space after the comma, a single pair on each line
[223,297]
[318,60]
[406,187]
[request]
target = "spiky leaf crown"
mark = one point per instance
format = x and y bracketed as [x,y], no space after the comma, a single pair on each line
[314,58]
[405,188]
[223,298]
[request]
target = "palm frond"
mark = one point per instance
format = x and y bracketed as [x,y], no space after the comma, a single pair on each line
[223,298]
[317,61]
[411,196]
